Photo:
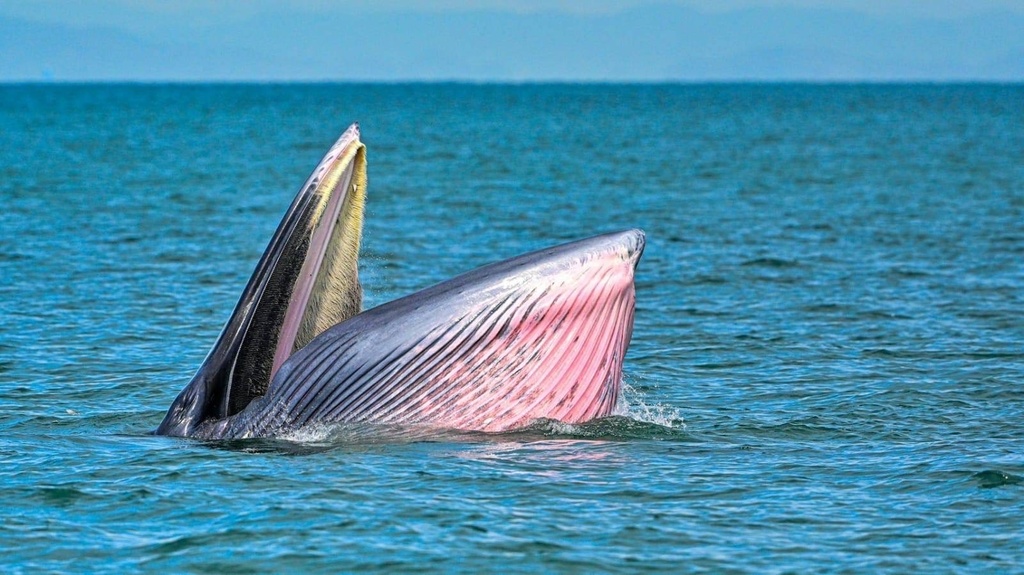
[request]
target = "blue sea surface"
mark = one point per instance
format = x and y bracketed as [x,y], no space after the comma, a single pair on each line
[825,376]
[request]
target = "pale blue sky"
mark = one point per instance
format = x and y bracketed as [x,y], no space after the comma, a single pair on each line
[512,40]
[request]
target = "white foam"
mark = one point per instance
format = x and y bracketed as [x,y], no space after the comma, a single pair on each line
[314,433]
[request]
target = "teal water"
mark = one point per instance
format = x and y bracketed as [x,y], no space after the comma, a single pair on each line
[825,373]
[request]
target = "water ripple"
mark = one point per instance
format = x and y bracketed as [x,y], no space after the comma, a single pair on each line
[824,375]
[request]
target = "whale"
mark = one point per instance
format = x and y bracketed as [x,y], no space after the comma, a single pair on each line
[538,336]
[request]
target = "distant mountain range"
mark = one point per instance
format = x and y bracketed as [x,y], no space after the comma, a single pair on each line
[651,43]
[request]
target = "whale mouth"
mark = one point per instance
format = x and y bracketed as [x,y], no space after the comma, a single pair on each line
[306,281]
[326,290]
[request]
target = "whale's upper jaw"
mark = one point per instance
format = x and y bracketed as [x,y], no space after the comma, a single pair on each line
[305,282]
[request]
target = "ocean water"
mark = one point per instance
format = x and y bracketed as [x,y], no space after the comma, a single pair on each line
[825,376]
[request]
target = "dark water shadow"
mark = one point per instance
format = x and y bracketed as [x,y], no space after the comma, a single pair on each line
[995,478]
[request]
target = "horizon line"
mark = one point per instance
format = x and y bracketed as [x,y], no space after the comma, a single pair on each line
[526,82]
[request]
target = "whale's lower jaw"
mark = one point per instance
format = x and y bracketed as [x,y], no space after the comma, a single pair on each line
[538,336]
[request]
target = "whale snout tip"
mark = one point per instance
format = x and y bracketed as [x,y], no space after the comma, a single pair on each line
[633,242]
[639,241]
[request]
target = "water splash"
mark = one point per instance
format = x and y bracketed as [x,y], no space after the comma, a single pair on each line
[313,433]
[633,404]
[363,433]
